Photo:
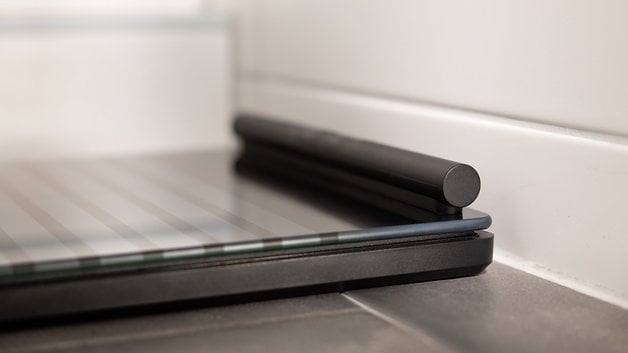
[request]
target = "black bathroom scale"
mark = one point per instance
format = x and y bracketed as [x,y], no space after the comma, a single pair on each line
[292,211]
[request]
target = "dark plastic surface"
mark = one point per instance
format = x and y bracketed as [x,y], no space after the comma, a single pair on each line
[268,276]
[353,206]
[455,184]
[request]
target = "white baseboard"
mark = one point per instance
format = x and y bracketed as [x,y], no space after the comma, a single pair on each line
[557,196]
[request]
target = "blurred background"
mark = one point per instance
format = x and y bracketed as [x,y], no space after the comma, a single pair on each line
[112,77]
[532,93]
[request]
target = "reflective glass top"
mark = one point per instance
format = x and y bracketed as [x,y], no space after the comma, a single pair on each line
[69,215]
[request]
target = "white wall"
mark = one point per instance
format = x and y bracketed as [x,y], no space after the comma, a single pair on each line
[532,93]
[103,78]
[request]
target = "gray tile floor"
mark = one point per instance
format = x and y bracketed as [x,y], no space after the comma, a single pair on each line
[501,310]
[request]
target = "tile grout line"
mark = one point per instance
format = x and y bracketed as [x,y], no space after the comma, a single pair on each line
[398,324]
[75,343]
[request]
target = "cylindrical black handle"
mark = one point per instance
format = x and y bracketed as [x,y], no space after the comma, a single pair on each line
[453,183]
